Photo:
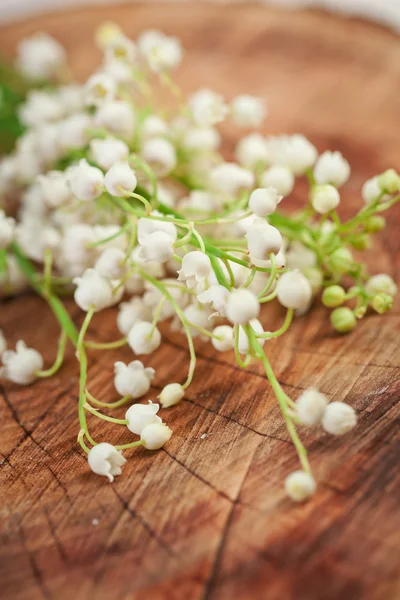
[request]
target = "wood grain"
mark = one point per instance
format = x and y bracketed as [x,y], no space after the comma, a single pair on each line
[207,518]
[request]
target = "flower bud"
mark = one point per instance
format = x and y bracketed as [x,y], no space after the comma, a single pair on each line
[339,418]
[263,201]
[382,303]
[333,296]
[85,181]
[374,224]
[109,151]
[280,178]
[171,395]
[389,181]
[315,278]
[242,307]
[120,179]
[310,406]
[110,264]
[325,198]
[381,283]
[343,319]
[300,486]
[262,240]
[225,333]
[155,436]
[341,261]
[332,168]
[360,241]
[294,290]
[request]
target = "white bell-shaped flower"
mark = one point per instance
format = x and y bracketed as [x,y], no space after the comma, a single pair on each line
[143,338]
[130,313]
[120,48]
[160,154]
[223,340]
[157,246]
[7,230]
[141,416]
[86,182]
[40,56]
[153,126]
[381,284]
[93,290]
[217,295]
[111,264]
[118,117]
[73,131]
[294,290]
[242,307]
[155,436]
[325,198]
[161,52]
[331,168]
[207,108]
[263,201]
[132,380]
[120,179]
[195,268]
[54,188]
[99,88]
[21,365]
[105,459]
[280,178]
[109,151]
[248,111]
[149,226]
[230,178]
[251,151]
[262,240]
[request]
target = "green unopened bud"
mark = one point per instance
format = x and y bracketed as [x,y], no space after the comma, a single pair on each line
[382,303]
[333,296]
[389,181]
[359,311]
[343,319]
[361,241]
[340,261]
[374,224]
[315,277]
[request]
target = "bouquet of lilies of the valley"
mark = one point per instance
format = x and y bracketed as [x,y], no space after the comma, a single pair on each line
[123,203]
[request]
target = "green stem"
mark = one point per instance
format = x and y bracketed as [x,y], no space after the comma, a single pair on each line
[131,445]
[185,323]
[282,400]
[59,358]
[116,404]
[106,345]
[286,324]
[95,412]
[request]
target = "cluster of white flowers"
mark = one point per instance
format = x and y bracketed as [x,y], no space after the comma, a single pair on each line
[140,211]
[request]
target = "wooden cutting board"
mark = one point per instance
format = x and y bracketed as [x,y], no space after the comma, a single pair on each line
[207,517]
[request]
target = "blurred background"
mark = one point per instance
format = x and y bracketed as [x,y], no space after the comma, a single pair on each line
[383,11]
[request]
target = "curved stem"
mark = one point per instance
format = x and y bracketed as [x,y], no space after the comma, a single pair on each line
[59,358]
[98,414]
[286,324]
[110,405]
[184,321]
[106,345]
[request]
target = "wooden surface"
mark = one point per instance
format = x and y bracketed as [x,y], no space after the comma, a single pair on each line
[207,518]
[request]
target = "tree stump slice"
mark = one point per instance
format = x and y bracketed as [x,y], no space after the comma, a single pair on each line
[206,518]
